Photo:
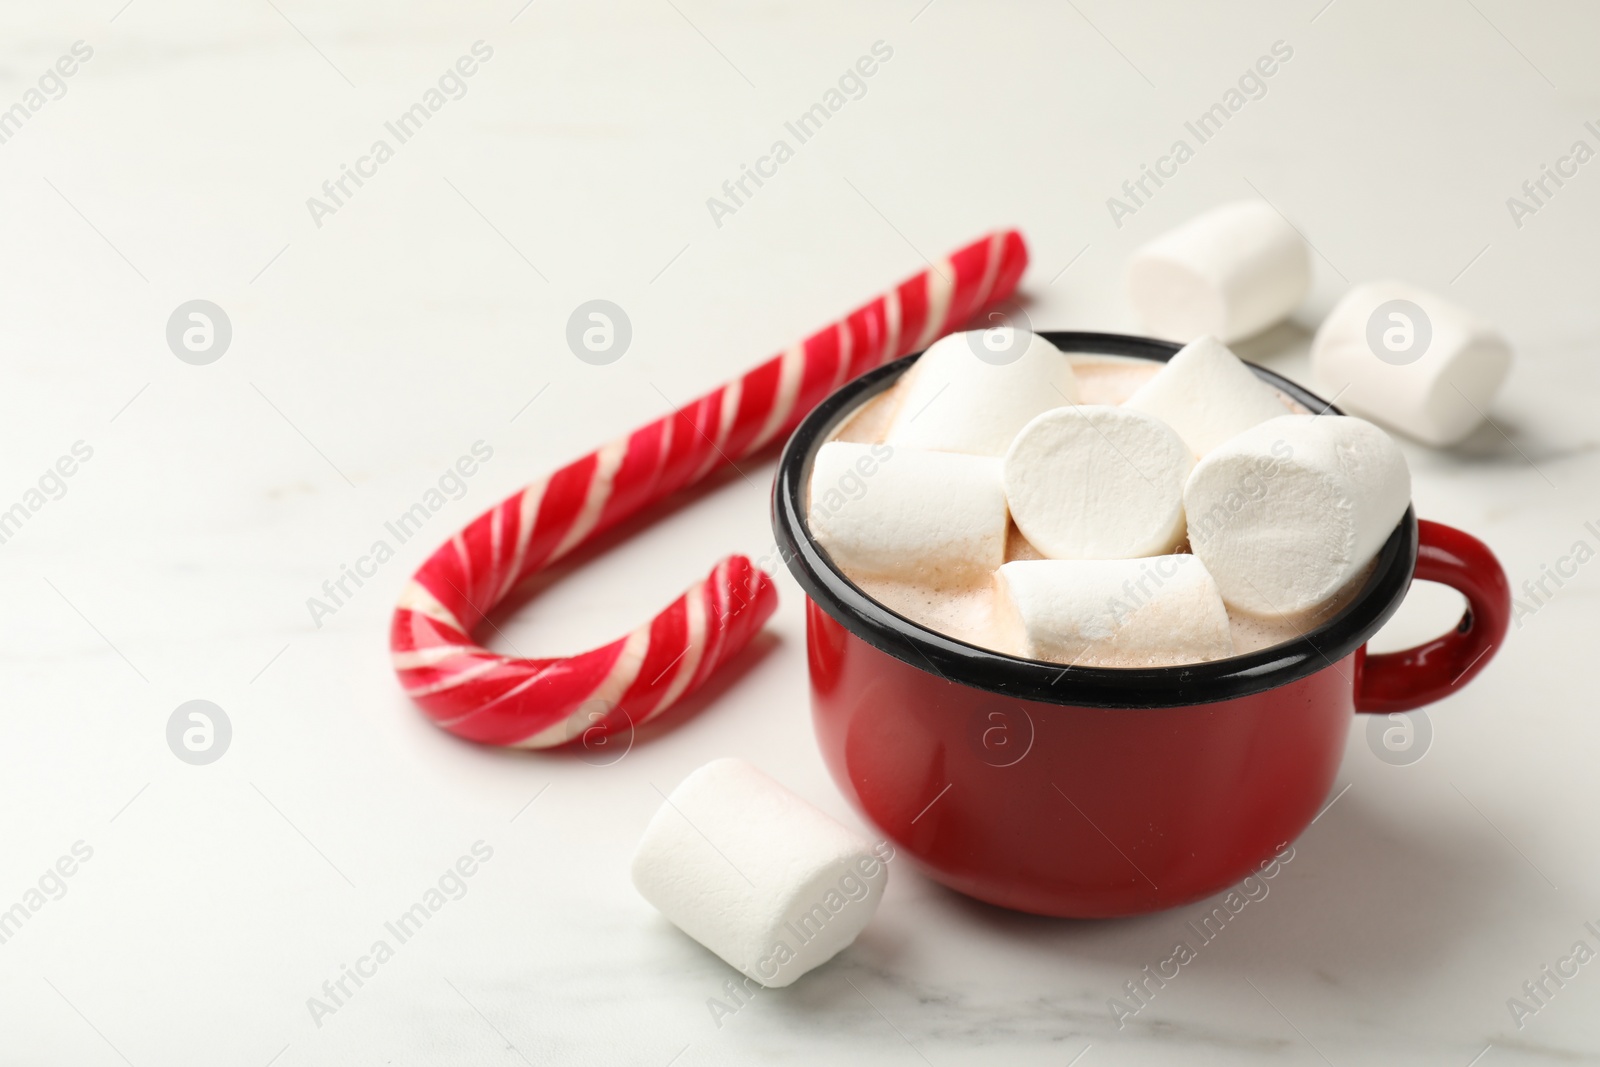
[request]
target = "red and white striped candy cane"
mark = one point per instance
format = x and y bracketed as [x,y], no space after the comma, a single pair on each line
[537,703]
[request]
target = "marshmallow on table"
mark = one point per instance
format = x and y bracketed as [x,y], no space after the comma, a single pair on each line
[1207,394]
[1153,612]
[896,512]
[755,874]
[1288,512]
[1097,482]
[956,400]
[1232,272]
[1430,377]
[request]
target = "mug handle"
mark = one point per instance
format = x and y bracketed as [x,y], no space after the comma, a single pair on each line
[1399,681]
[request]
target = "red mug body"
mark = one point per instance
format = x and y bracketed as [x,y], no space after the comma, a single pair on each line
[1074,811]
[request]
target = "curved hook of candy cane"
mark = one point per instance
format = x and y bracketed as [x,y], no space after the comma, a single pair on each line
[539,703]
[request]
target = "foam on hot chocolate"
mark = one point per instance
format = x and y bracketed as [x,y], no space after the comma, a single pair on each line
[969,610]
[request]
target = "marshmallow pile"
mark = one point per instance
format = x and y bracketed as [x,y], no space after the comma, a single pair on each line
[1200,494]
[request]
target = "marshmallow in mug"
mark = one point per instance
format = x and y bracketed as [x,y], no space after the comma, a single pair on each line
[967,393]
[1231,272]
[898,512]
[1207,394]
[1098,482]
[1411,360]
[1158,611]
[1287,513]
[757,875]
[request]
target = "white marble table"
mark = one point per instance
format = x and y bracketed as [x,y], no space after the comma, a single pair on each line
[375,340]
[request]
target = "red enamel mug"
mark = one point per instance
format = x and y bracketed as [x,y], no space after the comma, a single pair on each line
[1091,791]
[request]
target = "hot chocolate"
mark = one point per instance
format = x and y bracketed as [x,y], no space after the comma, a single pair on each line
[969,605]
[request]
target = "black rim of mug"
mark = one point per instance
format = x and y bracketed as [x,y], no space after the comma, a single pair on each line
[1052,683]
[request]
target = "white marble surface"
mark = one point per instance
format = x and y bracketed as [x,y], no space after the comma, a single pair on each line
[430,309]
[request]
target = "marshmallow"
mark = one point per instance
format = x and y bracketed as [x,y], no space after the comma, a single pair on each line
[895,512]
[972,392]
[757,875]
[1207,394]
[1430,376]
[1231,272]
[1152,612]
[1288,512]
[1097,482]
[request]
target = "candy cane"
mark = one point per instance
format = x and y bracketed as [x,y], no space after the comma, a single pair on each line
[536,703]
